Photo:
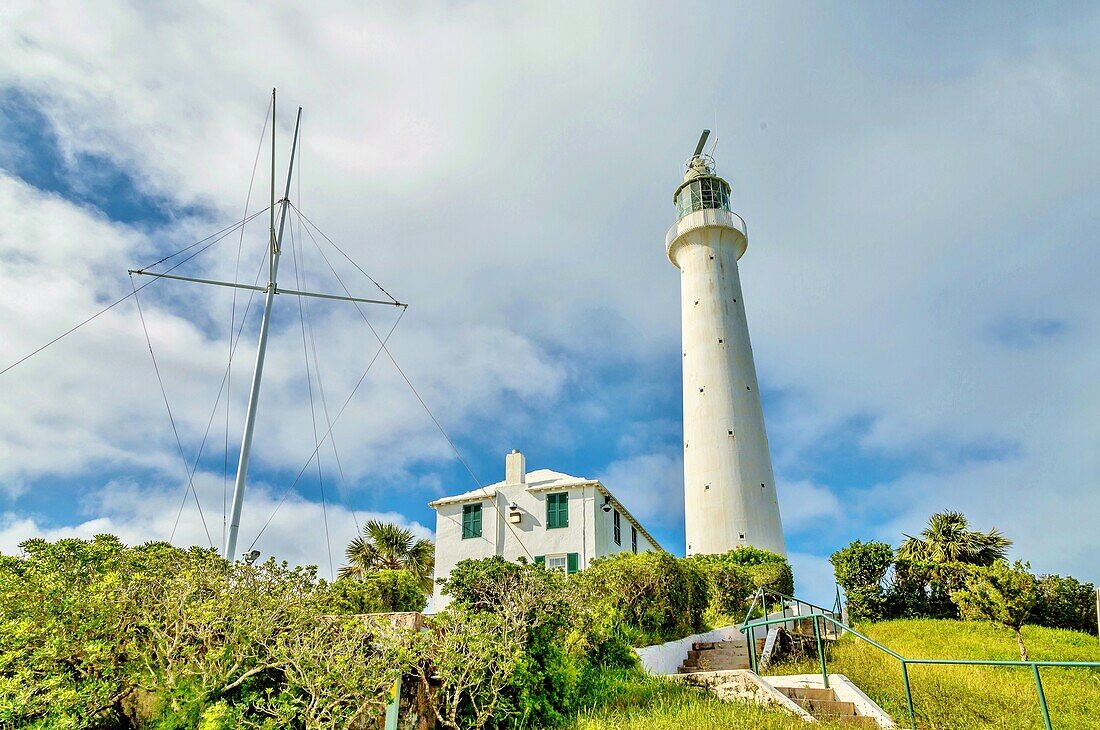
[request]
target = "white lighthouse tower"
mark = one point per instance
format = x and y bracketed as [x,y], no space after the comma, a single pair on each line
[729,488]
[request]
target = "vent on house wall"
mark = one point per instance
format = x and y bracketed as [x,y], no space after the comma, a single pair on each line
[719,340]
[742,536]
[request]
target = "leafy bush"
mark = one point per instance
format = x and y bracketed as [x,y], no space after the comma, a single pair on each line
[862,564]
[537,682]
[652,594]
[747,555]
[377,591]
[1065,603]
[730,589]
[774,576]
[478,584]
[1000,593]
[97,634]
[860,570]
[734,576]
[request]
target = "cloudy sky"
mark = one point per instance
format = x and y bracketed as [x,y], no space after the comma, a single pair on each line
[921,184]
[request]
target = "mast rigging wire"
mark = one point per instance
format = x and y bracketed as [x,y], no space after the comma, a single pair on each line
[286,490]
[299,278]
[222,235]
[423,403]
[172,420]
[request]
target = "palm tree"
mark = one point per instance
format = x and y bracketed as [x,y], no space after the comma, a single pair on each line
[948,539]
[386,546]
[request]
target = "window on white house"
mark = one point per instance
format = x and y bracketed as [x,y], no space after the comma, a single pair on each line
[618,529]
[557,562]
[633,539]
[471,521]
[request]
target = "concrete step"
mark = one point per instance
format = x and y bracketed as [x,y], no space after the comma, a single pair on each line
[741,653]
[705,665]
[808,693]
[704,645]
[827,708]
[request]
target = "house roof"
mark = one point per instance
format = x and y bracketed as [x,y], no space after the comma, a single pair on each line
[541,480]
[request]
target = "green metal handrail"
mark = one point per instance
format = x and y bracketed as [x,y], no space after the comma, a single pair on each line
[747,626]
[762,593]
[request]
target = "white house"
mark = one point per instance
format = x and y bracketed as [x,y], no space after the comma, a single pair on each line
[544,516]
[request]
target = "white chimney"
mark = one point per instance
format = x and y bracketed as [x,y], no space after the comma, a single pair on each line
[515,468]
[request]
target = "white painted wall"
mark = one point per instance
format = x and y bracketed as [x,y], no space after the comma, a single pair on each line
[729,487]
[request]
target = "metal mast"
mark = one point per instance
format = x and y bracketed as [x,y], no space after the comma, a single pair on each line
[261,349]
[272,288]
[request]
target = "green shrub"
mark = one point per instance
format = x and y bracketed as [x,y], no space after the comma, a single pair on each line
[1065,603]
[98,634]
[537,683]
[862,564]
[734,576]
[378,591]
[652,595]
[747,555]
[774,576]
[477,584]
[731,588]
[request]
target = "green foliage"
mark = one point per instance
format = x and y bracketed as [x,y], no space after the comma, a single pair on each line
[377,591]
[386,546]
[948,539]
[734,576]
[652,595]
[747,555]
[862,564]
[1065,603]
[774,576]
[97,634]
[477,584]
[535,683]
[731,588]
[1001,593]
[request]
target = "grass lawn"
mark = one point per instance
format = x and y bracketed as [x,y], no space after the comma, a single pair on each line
[972,698]
[632,701]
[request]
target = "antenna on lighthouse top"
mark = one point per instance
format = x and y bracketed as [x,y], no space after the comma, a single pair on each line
[702,141]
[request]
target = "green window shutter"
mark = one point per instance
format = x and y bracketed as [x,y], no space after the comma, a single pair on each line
[540,560]
[557,510]
[471,521]
[572,563]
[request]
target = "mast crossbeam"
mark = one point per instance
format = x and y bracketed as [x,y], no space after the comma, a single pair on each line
[250,287]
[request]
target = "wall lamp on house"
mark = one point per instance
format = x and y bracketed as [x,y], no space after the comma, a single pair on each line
[606,504]
[514,515]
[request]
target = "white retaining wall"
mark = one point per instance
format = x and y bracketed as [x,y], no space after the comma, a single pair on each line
[666,658]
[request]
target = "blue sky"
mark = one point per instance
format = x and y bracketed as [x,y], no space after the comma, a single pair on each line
[919,182]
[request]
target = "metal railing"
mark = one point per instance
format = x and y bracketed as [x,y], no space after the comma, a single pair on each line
[823,616]
[783,602]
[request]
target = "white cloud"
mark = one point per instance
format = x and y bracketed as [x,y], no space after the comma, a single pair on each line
[805,506]
[813,578]
[651,486]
